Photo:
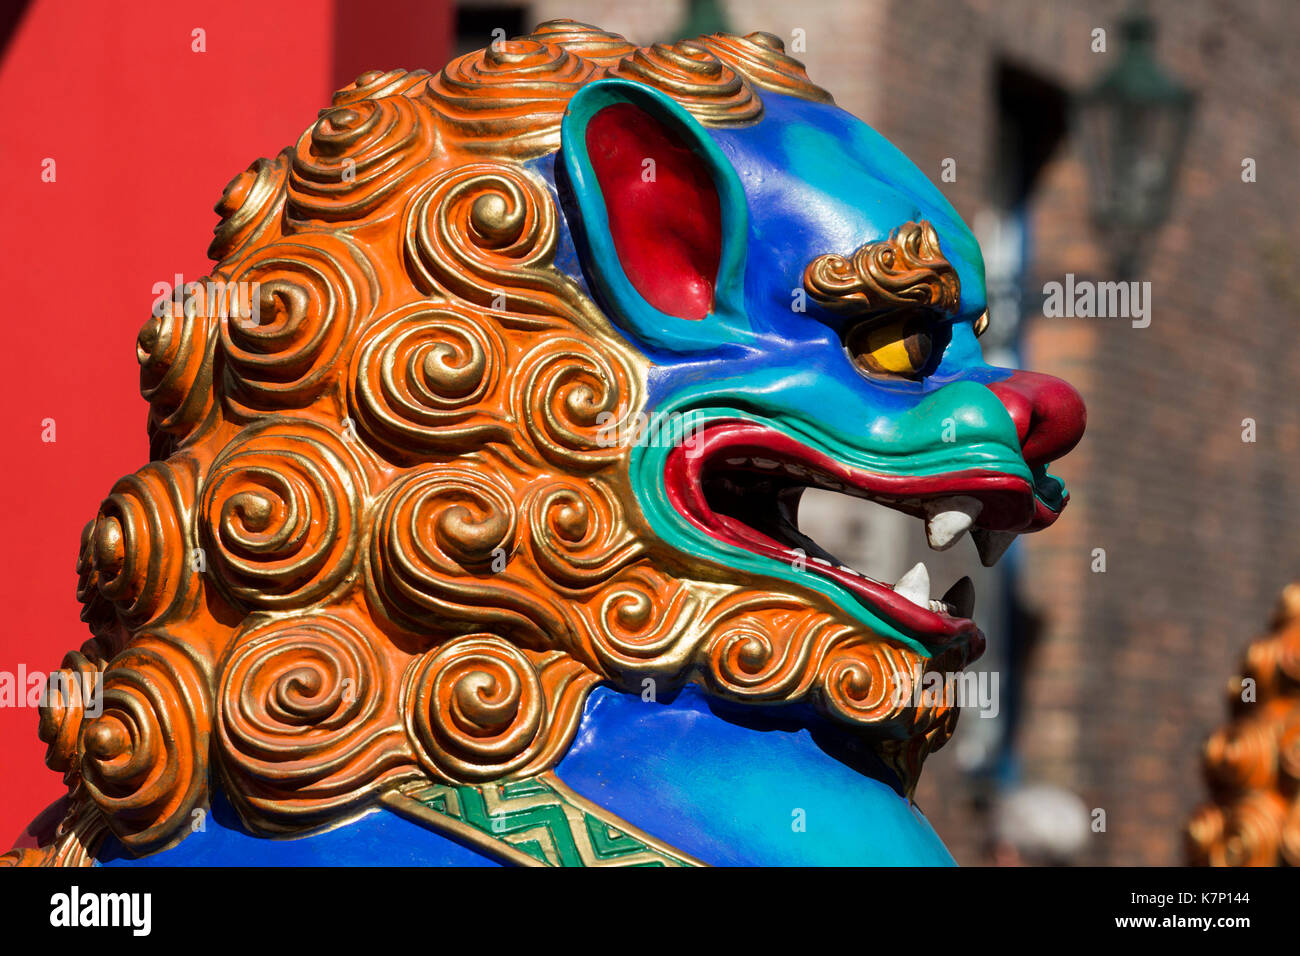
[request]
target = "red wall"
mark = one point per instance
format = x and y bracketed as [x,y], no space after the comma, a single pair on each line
[144,132]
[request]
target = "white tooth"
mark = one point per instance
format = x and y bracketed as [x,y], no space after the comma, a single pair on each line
[992,544]
[797,470]
[737,461]
[949,519]
[915,585]
[822,561]
[766,462]
[847,569]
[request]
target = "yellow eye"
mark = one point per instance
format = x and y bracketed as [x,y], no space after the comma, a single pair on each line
[898,347]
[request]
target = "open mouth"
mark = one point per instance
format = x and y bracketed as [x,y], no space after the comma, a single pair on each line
[740,482]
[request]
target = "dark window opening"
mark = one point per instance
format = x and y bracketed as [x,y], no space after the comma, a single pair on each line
[478,26]
[1033,114]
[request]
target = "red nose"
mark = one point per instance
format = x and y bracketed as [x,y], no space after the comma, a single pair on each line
[1049,414]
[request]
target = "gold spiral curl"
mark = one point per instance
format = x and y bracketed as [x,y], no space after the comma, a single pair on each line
[175,351]
[303,720]
[584,40]
[280,514]
[144,760]
[642,623]
[77,683]
[486,233]
[139,545]
[508,99]
[868,683]
[424,381]
[761,59]
[1287,743]
[250,207]
[577,532]
[440,552]
[374,84]
[709,89]
[1241,756]
[97,612]
[571,395]
[479,708]
[770,651]
[1252,832]
[309,295]
[356,155]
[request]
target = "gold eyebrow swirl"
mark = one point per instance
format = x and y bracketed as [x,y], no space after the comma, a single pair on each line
[907,270]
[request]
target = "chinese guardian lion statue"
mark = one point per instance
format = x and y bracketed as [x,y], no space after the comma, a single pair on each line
[471,536]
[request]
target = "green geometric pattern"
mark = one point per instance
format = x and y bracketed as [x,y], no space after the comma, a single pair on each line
[546,822]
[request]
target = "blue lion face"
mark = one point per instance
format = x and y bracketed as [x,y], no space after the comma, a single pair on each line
[808,302]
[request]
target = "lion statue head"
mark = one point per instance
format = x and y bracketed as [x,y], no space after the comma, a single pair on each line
[503,388]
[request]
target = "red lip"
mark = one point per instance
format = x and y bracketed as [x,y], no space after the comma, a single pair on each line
[736,453]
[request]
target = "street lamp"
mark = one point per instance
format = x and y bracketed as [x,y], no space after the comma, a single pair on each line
[1133,125]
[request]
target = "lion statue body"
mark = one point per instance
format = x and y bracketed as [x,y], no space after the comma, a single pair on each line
[469,534]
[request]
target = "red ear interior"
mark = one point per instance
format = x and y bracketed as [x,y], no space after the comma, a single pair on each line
[667,231]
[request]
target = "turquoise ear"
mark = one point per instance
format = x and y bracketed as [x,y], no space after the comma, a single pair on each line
[650,327]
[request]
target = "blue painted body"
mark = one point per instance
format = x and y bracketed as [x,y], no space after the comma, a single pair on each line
[379,838]
[732,790]
[713,782]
